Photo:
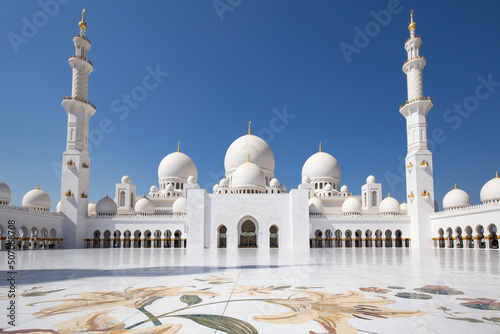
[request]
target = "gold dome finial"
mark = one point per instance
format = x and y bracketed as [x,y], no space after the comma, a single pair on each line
[248,158]
[404,200]
[412,25]
[92,201]
[320,146]
[107,195]
[455,186]
[388,194]
[38,186]
[496,176]
[249,127]
[178,146]
[82,24]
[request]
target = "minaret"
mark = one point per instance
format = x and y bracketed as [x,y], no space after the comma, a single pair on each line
[419,168]
[76,160]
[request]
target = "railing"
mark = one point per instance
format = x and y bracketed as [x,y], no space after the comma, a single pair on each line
[78,99]
[358,216]
[478,207]
[414,100]
[416,36]
[85,38]
[32,210]
[413,58]
[141,216]
[80,57]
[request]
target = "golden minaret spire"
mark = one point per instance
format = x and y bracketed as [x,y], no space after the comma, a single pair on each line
[412,25]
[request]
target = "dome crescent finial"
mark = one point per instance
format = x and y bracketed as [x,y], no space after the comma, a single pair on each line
[178,146]
[249,127]
[320,147]
[412,25]
[82,24]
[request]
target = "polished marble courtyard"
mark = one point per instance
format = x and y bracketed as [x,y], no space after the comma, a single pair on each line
[355,290]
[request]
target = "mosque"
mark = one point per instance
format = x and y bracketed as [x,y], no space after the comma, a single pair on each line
[249,207]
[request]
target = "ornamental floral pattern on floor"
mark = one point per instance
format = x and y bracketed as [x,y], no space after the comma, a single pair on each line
[97,312]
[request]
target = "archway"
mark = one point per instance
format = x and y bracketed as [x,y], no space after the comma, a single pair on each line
[441,238]
[449,233]
[137,239]
[378,238]
[273,236]
[358,242]
[398,242]
[480,236]
[116,239]
[468,236]
[107,239]
[493,239]
[97,239]
[318,237]
[147,239]
[368,240]
[157,242]
[348,238]
[338,238]
[168,239]
[222,237]
[126,239]
[388,238]
[460,242]
[248,235]
[328,239]
[177,239]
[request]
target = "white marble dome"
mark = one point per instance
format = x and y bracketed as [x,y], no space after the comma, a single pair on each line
[126,179]
[403,206]
[328,186]
[249,175]
[491,190]
[344,189]
[144,206]
[177,165]
[306,179]
[316,205]
[321,165]
[5,193]
[283,188]
[169,187]
[274,183]
[58,207]
[92,209]
[389,205]
[215,189]
[371,179]
[191,179]
[224,182]
[153,189]
[37,199]
[456,198]
[351,205]
[260,153]
[180,206]
[106,206]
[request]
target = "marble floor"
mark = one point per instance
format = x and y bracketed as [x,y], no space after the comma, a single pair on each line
[356,290]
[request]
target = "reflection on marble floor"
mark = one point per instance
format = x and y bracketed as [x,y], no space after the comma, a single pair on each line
[255,291]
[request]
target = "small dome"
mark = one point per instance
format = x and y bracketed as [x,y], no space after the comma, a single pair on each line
[153,189]
[306,179]
[371,179]
[144,206]
[249,175]
[37,199]
[58,207]
[283,188]
[351,205]
[215,188]
[259,151]
[403,207]
[321,165]
[315,205]
[456,198]
[180,206]
[177,165]
[224,182]
[106,206]
[92,209]
[274,183]
[126,179]
[489,192]
[5,193]
[169,187]
[389,205]
[191,179]
[344,189]
[328,186]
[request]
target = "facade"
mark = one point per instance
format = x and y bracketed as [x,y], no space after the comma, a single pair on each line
[249,207]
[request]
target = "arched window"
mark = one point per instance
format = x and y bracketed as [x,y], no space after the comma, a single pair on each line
[122,198]
[374,198]
[222,237]
[273,236]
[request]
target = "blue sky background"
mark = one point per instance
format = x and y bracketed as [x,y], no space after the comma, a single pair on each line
[263,55]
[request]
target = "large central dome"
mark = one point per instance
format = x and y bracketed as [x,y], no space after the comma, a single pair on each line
[321,165]
[260,153]
[178,165]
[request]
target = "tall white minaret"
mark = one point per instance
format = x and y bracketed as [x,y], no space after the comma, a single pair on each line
[419,168]
[76,160]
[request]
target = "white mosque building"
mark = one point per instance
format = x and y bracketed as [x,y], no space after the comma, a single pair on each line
[249,207]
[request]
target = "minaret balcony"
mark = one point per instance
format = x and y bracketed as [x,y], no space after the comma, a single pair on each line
[413,58]
[68,194]
[413,37]
[80,57]
[425,194]
[424,164]
[415,100]
[79,99]
[70,164]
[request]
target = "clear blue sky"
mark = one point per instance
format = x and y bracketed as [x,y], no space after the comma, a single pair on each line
[261,56]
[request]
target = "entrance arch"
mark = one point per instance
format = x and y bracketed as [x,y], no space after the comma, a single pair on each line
[222,237]
[248,234]
[273,236]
